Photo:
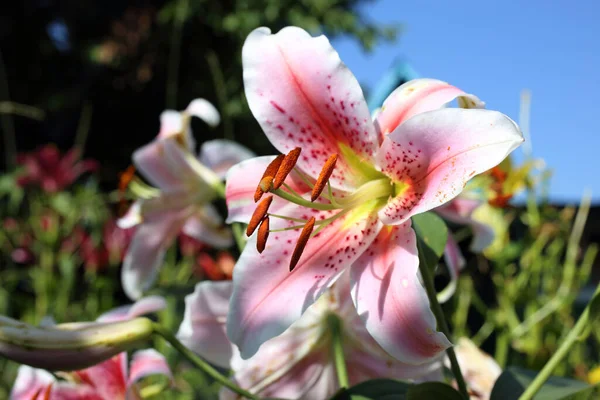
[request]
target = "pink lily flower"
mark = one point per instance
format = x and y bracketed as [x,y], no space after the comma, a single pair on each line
[298,363]
[187,186]
[415,156]
[108,380]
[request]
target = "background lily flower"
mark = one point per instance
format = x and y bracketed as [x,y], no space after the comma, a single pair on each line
[479,369]
[187,186]
[299,362]
[414,157]
[108,380]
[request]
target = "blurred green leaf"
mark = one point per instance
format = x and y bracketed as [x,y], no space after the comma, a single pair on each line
[431,230]
[433,391]
[376,389]
[514,380]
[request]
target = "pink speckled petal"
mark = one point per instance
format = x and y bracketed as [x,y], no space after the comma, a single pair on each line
[147,305]
[220,155]
[460,211]
[206,225]
[392,302]
[107,378]
[31,383]
[73,391]
[267,298]
[203,327]
[416,97]
[434,154]
[242,180]
[146,363]
[302,95]
[146,252]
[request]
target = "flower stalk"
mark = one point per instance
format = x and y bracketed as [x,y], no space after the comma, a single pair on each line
[337,342]
[436,308]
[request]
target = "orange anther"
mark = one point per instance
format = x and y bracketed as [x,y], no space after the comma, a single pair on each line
[266,183]
[286,167]
[301,244]
[271,170]
[263,234]
[324,177]
[259,214]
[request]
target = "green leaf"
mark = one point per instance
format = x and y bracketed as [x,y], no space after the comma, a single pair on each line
[514,380]
[433,391]
[432,232]
[376,389]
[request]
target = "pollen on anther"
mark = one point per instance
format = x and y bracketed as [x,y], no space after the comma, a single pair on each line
[301,244]
[259,214]
[271,171]
[324,177]
[287,165]
[266,183]
[263,234]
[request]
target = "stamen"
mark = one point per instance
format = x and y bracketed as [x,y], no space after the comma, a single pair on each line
[301,244]
[286,167]
[263,234]
[258,215]
[266,184]
[324,177]
[271,170]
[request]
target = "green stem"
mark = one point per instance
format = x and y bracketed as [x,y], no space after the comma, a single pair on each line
[238,234]
[302,202]
[439,316]
[221,91]
[572,337]
[335,326]
[175,55]
[200,363]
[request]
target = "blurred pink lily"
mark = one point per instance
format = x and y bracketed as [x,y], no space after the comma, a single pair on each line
[298,363]
[416,155]
[187,186]
[109,380]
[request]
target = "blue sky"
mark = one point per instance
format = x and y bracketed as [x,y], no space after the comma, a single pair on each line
[494,49]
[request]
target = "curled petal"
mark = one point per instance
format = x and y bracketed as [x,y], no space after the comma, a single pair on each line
[391,301]
[204,110]
[203,326]
[431,157]
[206,225]
[220,155]
[460,211]
[31,383]
[241,183]
[150,160]
[302,95]
[267,297]
[146,363]
[147,305]
[418,96]
[455,262]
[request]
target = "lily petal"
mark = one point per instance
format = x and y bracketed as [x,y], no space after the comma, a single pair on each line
[204,110]
[206,225]
[391,301]
[455,262]
[241,183]
[147,305]
[145,363]
[203,326]
[107,378]
[268,298]
[302,95]
[73,391]
[418,96]
[460,211]
[31,383]
[432,155]
[220,155]
[147,249]
[150,160]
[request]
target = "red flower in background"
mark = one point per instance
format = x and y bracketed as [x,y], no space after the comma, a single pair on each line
[52,171]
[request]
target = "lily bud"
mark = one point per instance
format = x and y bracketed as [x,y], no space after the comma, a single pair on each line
[70,346]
